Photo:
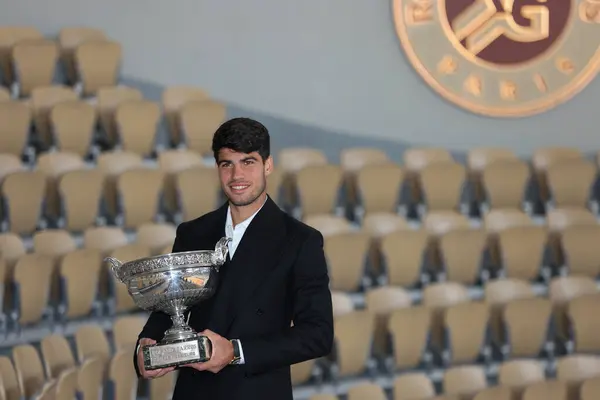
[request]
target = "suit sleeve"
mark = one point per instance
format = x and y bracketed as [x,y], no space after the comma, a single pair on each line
[158,322]
[312,334]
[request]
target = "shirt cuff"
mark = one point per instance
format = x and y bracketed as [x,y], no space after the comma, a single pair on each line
[242,360]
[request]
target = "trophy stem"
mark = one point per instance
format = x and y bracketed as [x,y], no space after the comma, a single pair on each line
[180,329]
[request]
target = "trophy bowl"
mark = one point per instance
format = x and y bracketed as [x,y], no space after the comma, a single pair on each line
[172,283]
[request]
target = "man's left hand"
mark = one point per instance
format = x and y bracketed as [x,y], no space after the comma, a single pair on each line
[222,353]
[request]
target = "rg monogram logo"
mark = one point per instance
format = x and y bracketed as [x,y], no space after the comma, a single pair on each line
[503,58]
[481,24]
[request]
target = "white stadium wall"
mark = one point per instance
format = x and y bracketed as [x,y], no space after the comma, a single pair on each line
[331,71]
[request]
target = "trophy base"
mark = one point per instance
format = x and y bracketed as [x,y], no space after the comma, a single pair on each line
[174,353]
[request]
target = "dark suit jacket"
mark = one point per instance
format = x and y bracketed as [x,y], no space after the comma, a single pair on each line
[278,274]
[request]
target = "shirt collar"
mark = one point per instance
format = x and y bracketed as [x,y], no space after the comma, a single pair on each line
[244,224]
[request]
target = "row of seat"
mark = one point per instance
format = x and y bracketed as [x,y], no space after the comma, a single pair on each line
[575,377]
[180,187]
[87,56]
[56,117]
[81,366]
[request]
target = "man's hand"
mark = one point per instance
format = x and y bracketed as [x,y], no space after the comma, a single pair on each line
[222,353]
[156,373]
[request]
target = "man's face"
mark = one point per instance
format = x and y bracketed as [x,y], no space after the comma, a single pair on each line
[243,176]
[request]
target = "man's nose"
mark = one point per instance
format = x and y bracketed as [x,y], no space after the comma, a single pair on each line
[237,172]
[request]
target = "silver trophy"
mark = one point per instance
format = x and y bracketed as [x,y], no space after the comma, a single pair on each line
[172,283]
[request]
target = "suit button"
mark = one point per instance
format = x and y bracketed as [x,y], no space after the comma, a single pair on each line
[259,311]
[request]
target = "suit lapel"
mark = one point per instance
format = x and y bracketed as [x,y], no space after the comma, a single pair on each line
[256,255]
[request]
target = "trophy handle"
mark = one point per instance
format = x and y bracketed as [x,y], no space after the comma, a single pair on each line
[221,250]
[115,265]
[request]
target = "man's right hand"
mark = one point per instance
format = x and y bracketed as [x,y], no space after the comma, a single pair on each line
[156,373]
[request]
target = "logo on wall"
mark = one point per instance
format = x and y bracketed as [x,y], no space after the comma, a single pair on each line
[503,58]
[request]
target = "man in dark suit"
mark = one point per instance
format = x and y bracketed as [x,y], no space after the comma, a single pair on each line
[275,274]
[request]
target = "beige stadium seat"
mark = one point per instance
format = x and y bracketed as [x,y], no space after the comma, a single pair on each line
[80,273]
[35,63]
[98,65]
[505,183]
[499,219]
[173,99]
[318,190]
[303,372]
[346,255]
[81,199]
[575,369]
[405,258]
[413,386]
[198,122]
[378,189]
[29,369]
[140,192]
[69,38]
[57,355]
[24,193]
[172,162]
[464,380]
[353,344]
[382,301]
[570,183]
[112,164]
[516,375]
[527,327]
[494,393]
[341,302]
[15,120]
[499,292]
[547,390]
[120,300]
[523,253]
[409,329]
[583,316]
[362,391]
[90,379]
[329,224]
[54,243]
[12,248]
[54,165]
[294,159]
[442,186]
[66,385]
[126,329]
[463,256]
[9,36]
[193,202]
[137,123]
[560,218]
[9,163]
[545,157]
[354,159]
[580,250]
[12,390]
[72,125]
[467,328]
[438,223]
[377,225]
[33,279]
[439,296]
[590,389]
[104,238]
[480,157]
[561,291]
[107,100]
[275,186]
[122,379]
[91,342]
[156,236]
[416,159]
[43,100]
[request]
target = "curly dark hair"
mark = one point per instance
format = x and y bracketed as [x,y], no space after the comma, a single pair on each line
[243,135]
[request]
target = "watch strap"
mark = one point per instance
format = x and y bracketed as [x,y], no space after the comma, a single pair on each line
[236,351]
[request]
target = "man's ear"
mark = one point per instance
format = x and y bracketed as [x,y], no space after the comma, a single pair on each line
[269,165]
